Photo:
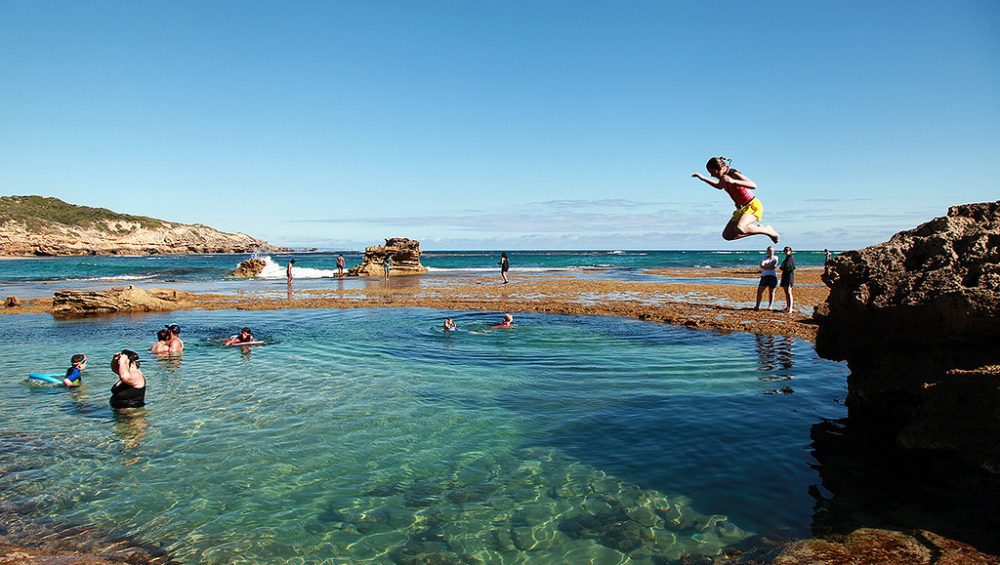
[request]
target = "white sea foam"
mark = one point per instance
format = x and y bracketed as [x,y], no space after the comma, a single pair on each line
[272,270]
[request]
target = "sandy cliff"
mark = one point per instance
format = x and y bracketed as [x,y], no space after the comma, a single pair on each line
[38,226]
[405,258]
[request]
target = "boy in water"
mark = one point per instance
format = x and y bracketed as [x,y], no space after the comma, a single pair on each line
[78,363]
[162,344]
[245,336]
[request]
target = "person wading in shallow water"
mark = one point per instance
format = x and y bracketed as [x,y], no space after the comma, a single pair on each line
[748,207]
[130,390]
[387,265]
[288,271]
[504,267]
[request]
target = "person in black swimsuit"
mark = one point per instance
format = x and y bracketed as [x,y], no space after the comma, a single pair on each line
[504,267]
[130,390]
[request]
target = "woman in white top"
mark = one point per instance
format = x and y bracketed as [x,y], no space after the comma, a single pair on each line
[768,278]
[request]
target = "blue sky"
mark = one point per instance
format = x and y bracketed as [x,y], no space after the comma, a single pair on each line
[504,125]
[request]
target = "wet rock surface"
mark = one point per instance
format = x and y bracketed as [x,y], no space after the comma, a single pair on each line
[869,545]
[249,269]
[117,300]
[405,258]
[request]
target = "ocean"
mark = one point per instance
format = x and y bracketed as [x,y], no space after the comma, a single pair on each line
[39,277]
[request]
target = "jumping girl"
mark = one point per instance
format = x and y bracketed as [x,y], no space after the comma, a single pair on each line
[748,207]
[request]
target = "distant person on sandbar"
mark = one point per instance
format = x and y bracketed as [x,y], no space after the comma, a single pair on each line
[162,344]
[387,265]
[78,364]
[449,325]
[506,323]
[788,278]
[288,271]
[340,265]
[768,278]
[504,267]
[245,336]
[748,207]
[175,345]
[130,390]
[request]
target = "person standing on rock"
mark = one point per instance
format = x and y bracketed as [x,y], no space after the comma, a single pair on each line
[504,267]
[288,271]
[387,265]
[749,210]
[768,278]
[788,278]
[340,265]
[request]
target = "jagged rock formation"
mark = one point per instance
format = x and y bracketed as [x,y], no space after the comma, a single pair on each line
[117,300]
[405,259]
[918,320]
[39,226]
[249,269]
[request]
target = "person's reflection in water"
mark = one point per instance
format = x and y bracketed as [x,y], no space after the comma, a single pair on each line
[765,352]
[130,426]
[171,363]
[784,348]
[291,293]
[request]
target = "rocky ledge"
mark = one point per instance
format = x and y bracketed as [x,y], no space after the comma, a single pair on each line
[405,258]
[917,319]
[117,300]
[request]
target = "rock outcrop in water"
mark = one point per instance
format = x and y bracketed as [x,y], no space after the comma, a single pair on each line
[405,258]
[917,319]
[39,226]
[117,300]
[249,269]
[869,545]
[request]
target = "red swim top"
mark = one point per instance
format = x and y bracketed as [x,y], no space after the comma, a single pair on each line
[741,195]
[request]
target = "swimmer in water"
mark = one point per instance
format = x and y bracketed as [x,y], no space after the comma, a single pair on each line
[246,336]
[449,325]
[162,344]
[78,364]
[506,323]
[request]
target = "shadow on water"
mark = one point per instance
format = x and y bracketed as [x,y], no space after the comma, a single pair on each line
[876,485]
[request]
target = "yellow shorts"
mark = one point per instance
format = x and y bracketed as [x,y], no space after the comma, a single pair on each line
[753,207]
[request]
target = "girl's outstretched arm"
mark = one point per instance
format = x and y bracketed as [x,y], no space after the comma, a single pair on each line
[739,179]
[710,182]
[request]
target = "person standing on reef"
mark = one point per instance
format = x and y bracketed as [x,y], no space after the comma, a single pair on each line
[768,278]
[504,267]
[748,207]
[288,271]
[340,265]
[174,345]
[387,265]
[788,278]
[826,262]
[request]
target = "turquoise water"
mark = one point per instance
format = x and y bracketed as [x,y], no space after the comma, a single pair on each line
[371,436]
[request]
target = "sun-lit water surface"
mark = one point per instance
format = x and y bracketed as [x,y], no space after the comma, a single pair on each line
[370,435]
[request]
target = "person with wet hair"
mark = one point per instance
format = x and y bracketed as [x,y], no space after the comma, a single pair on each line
[749,210]
[130,390]
[245,336]
[162,344]
[175,345]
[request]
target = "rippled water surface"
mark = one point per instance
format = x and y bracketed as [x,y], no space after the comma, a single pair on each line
[370,435]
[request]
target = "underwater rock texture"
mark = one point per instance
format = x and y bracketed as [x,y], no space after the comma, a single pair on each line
[405,258]
[917,318]
[117,300]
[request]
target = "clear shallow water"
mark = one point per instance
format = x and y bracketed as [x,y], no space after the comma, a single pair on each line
[369,435]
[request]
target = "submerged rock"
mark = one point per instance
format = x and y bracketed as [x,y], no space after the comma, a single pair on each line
[405,259]
[117,300]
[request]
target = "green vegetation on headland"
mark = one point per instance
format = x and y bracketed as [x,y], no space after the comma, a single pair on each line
[39,212]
